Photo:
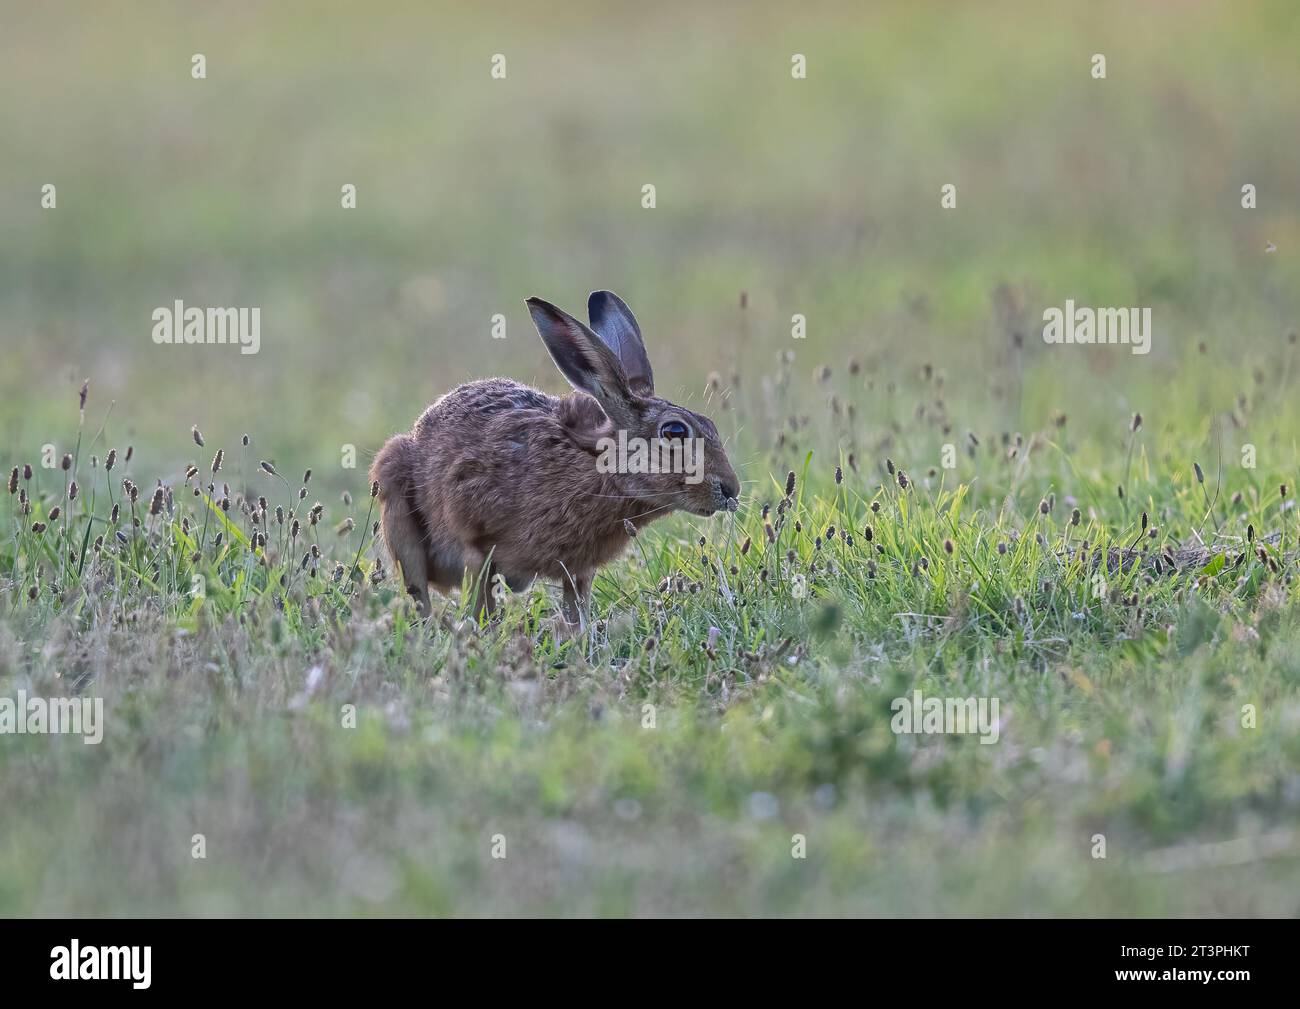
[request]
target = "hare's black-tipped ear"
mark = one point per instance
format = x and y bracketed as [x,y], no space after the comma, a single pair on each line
[588,364]
[614,323]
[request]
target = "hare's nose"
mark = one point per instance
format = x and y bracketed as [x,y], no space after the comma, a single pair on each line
[729,490]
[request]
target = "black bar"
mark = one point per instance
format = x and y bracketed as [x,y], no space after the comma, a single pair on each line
[333,958]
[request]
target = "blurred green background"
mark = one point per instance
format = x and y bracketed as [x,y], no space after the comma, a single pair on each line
[816,196]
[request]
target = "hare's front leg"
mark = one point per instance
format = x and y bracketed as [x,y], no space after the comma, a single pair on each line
[577,602]
[482,574]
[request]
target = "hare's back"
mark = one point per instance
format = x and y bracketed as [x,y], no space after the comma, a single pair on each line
[474,405]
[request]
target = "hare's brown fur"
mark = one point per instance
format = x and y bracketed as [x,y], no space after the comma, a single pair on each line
[497,478]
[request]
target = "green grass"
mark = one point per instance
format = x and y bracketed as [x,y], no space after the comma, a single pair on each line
[770,660]
[735,689]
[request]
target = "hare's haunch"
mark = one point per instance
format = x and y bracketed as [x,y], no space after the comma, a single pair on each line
[498,478]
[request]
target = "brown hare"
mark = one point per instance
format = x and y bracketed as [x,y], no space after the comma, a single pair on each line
[498,478]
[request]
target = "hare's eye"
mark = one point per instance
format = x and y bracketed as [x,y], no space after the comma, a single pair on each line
[674,429]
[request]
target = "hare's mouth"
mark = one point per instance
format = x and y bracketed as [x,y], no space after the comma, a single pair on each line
[722,501]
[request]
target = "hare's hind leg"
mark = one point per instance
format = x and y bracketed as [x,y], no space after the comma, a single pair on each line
[404,532]
[405,541]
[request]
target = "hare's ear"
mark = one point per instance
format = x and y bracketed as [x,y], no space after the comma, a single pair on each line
[614,323]
[588,364]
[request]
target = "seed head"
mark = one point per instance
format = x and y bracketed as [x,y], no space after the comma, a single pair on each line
[197,435]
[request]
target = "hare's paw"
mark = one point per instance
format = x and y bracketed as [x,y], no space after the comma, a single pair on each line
[562,629]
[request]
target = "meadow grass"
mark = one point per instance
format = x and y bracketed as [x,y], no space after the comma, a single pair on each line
[227,632]
[1098,556]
